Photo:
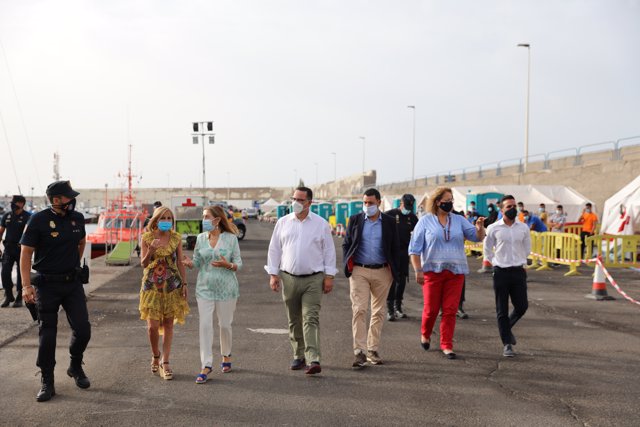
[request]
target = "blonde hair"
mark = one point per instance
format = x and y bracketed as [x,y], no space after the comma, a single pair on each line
[225,224]
[157,214]
[435,197]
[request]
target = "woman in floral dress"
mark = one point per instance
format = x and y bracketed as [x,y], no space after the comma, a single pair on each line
[217,257]
[163,296]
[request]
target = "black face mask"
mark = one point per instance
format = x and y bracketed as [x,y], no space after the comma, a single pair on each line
[446,206]
[70,206]
[14,207]
[511,213]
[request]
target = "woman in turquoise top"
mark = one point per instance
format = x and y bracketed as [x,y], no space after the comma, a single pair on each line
[217,257]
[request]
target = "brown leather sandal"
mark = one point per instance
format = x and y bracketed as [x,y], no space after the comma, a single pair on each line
[155,363]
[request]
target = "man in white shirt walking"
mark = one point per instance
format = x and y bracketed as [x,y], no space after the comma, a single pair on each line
[507,247]
[303,257]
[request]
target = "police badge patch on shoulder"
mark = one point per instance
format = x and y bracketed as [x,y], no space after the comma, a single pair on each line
[54,234]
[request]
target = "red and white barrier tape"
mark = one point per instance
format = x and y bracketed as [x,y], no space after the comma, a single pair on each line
[614,284]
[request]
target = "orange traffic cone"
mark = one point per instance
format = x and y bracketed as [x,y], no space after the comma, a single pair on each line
[599,288]
[486,267]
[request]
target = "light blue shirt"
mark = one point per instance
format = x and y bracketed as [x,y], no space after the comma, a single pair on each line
[442,248]
[370,250]
[216,283]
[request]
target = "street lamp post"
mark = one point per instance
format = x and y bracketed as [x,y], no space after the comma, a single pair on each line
[413,156]
[363,144]
[335,169]
[199,130]
[316,164]
[526,124]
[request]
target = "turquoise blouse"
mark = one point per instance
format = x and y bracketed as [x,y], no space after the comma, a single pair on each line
[216,283]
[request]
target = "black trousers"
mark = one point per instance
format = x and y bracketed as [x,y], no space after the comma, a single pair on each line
[10,257]
[396,292]
[583,235]
[509,283]
[50,296]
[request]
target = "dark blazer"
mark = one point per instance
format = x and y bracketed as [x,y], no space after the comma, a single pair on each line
[354,235]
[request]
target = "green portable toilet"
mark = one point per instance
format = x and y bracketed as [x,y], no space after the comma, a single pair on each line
[355,206]
[315,208]
[282,210]
[325,210]
[483,200]
[342,210]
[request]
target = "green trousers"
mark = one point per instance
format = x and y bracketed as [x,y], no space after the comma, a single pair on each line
[302,297]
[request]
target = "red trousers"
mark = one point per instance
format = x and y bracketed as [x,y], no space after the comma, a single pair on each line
[441,291]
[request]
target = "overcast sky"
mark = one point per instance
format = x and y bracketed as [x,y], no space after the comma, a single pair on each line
[289,82]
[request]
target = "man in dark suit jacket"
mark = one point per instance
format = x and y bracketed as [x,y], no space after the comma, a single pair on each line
[370,249]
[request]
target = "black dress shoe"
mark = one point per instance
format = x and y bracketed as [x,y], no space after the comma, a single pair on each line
[76,372]
[425,345]
[17,303]
[297,364]
[450,356]
[8,299]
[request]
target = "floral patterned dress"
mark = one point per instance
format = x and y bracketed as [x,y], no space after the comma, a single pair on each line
[161,295]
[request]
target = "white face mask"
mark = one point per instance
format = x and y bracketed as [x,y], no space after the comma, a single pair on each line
[559,212]
[297,207]
[370,210]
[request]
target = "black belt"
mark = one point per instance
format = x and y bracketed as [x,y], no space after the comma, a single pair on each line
[65,277]
[372,266]
[302,275]
[508,268]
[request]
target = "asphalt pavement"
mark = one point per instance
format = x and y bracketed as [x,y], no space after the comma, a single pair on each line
[577,362]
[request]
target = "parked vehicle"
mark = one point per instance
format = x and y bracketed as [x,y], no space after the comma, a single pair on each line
[251,212]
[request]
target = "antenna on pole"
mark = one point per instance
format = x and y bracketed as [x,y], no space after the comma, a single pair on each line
[56,166]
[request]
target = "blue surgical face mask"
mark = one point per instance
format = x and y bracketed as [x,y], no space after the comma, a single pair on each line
[370,210]
[541,209]
[165,225]
[405,211]
[207,225]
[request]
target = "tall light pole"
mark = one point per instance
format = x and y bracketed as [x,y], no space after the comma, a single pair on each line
[363,144]
[199,130]
[526,123]
[413,156]
[316,164]
[335,169]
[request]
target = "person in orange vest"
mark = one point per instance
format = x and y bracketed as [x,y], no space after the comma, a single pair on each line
[520,211]
[589,220]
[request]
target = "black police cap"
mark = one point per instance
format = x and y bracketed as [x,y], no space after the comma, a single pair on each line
[17,198]
[408,200]
[61,188]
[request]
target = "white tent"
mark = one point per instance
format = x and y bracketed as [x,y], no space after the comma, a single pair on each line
[387,202]
[621,212]
[269,205]
[531,195]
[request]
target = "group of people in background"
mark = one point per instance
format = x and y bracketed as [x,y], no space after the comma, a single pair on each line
[542,221]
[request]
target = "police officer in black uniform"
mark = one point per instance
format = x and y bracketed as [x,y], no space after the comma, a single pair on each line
[13,223]
[57,237]
[406,221]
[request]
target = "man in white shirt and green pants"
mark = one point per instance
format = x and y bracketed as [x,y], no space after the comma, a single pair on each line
[302,256]
[507,246]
